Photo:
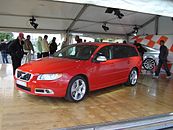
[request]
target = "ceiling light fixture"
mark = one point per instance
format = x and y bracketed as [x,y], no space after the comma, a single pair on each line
[33,23]
[109,10]
[105,28]
[116,12]
[135,30]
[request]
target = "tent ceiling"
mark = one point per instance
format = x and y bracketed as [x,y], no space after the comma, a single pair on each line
[157,7]
[56,16]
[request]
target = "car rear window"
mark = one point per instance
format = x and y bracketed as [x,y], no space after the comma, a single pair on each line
[131,51]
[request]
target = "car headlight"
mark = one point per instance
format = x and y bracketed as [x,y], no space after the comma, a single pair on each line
[49,76]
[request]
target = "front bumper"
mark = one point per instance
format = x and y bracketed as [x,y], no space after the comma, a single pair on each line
[54,88]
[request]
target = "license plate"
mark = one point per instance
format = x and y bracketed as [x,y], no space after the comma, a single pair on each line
[19,82]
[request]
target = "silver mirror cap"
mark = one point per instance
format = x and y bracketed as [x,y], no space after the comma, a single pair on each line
[101,58]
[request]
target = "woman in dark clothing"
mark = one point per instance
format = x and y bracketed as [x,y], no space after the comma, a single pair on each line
[53,46]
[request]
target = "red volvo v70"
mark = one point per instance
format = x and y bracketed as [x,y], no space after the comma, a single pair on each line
[79,68]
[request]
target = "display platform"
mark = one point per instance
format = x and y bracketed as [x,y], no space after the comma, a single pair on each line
[20,111]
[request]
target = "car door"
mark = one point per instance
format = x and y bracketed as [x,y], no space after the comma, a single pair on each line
[102,72]
[120,63]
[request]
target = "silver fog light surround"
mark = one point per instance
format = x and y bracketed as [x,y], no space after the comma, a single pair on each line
[43,91]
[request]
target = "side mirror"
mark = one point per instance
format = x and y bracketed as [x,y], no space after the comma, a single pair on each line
[101,59]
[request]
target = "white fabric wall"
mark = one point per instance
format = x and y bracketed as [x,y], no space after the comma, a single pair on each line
[165,27]
[148,29]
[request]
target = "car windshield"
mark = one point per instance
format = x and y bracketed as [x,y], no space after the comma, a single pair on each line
[80,52]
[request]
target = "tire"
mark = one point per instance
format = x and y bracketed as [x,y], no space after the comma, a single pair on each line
[77,89]
[133,77]
[149,64]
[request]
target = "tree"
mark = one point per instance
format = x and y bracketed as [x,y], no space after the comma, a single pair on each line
[7,36]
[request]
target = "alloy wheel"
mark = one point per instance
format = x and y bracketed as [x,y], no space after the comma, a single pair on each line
[149,64]
[78,89]
[133,77]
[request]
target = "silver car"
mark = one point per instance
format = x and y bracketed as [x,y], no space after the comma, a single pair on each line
[151,57]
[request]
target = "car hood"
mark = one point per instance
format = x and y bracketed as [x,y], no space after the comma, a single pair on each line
[50,65]
[148,52]
[151,53]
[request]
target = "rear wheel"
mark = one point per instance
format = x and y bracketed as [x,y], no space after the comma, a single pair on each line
[76,89]
[133,76]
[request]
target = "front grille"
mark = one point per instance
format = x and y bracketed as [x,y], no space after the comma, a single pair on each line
[23,75]
[24,88]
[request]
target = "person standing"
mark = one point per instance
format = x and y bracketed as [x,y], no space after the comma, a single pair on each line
[64,43]
[27,48]
[124,42]
[53,46]
[162,60]
[45,46]
[135,43]
[16,51]
[4,51]
[77,39]
[141,49]
[39,47]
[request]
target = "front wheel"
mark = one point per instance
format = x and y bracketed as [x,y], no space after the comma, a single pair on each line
[149,64]
[76,90]
[133,76]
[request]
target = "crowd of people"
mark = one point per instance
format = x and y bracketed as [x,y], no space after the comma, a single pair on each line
[43,48]
[20,46]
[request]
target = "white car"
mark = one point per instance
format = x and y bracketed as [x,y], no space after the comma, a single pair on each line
[151,57]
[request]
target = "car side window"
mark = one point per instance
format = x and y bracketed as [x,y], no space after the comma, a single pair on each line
[106,51]
[119,52]
[131,51]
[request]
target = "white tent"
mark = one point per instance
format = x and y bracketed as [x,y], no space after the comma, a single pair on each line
[83,16]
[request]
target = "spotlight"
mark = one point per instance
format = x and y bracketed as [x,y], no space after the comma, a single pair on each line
[135,34]
[32,19]
[116,12]
[105,28]
[35,25]
[109,10]
[135,29]
[32,22]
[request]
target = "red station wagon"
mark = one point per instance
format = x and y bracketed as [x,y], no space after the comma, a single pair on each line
[79,68]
